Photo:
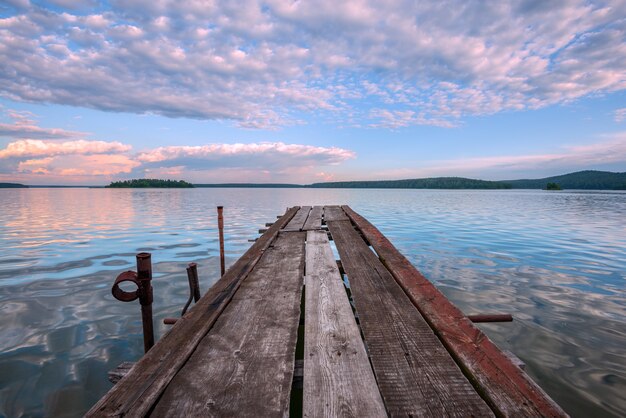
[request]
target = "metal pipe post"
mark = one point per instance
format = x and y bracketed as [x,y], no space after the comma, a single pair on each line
[144,278]
[220,226]
[490,318]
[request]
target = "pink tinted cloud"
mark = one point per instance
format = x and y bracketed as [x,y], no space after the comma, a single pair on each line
[37,148]
[323,176]
[296,152]
[571,157]
[87,159]
[260,63]
[79,165]
[24,126]
[257,162]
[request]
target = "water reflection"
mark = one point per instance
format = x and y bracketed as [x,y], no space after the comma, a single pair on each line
[556,261]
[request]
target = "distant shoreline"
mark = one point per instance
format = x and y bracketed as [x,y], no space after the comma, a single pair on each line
[582,180]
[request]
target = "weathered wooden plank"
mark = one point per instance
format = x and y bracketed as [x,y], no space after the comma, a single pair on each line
[334,213]
[338,378]
[120,371]
[297,222]
[136,393]
[415,373]
[508,389]
[244,366]
[314,221]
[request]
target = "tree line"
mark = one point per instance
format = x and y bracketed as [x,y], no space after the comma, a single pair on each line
[144,183]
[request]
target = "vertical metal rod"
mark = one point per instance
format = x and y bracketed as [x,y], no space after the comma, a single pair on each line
[144,277]
[220,226]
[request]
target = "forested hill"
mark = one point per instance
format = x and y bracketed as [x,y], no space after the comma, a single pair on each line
[252,185]
[589,180]
[12,186]
[428,183]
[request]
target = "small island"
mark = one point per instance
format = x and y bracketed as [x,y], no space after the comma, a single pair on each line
[150,183]
[553,186]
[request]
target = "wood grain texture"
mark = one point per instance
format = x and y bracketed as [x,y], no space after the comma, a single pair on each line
[299,219]
[136,393]
[244,366]
[508,389]
[338,378]
[415,373]
[314,221]
[120,371]
[334,213]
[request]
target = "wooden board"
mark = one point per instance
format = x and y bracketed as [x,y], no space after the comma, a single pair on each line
[297,222]
[120,371]
[136,393]
[334,213]
[244,366]
[338,378]
[314,221]
[509,390]
[415,373]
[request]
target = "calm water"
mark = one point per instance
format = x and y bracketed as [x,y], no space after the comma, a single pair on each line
[555,260]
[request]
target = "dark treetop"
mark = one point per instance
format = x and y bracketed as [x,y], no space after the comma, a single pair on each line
[553,186]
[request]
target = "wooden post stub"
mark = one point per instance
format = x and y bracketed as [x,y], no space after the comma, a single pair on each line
[194,285]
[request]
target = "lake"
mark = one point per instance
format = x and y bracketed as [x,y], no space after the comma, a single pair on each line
[555,260]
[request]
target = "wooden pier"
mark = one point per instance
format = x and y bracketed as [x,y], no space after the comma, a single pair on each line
[389,344]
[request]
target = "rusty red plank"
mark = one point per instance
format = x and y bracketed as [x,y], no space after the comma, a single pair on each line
[507,388]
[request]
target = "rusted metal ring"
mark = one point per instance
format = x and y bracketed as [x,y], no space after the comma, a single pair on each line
[118,293]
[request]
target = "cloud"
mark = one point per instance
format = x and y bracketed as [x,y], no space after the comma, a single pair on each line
[395,119]
[83,160]
[60,155]
[78,166]
[29,131]
[611,150]
[261,156]
[37,148]
[262,64]
[24,126]
[322,176]
[620,115]
[262,162]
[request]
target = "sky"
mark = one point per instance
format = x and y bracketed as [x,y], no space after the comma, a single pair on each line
[302,92]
